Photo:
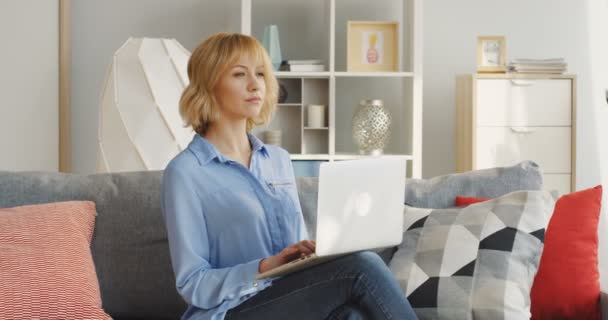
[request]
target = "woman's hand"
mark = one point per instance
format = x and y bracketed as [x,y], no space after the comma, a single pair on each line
[288,254]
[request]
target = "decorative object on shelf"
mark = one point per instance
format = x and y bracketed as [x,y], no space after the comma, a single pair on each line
[491,52]
[283,94]
[272,45]
[302,66]
[371,127]
[139,123]
[272,137]
[316,116]
[372,46]
[550,65]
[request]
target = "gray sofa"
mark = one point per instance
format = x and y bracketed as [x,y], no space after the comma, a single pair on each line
[130,247]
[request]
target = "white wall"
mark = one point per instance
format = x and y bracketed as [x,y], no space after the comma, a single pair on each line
[597,57]
[29,85]
[534,29]
[99,28]
[574,30]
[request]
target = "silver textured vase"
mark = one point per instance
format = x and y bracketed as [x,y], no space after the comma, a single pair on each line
[371,127]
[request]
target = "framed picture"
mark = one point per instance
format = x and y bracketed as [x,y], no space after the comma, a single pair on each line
[372,46]
[491,52]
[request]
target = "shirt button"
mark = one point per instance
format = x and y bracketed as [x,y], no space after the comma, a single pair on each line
[255,284]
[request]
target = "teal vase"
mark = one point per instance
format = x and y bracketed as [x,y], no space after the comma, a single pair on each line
[272,45]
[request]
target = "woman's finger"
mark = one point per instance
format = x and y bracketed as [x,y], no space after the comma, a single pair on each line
[289,251]
[289,254]
[308,244]
[304,249]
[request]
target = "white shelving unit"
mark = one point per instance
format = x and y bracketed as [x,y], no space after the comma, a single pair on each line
[316,29]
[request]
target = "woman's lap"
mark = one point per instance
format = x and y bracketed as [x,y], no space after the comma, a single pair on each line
[359,281]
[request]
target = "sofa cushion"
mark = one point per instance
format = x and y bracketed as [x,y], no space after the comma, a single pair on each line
[440,192]
[129,244]
[46,268]
[571,248]
[473,262]
[567,284]
[462,201]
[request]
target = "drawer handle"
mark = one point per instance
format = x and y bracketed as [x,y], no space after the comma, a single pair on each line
[522,130]
[522,83]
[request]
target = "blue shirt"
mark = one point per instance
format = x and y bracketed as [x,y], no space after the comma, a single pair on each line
[223,218]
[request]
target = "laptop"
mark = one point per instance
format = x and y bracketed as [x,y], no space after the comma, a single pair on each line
[359,207]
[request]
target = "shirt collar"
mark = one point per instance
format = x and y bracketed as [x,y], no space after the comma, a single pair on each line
[205,151]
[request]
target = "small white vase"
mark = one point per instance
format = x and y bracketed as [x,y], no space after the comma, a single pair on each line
[316,116]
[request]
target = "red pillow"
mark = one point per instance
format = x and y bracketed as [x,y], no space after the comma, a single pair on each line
[46,267]
[567,283]
[462,201]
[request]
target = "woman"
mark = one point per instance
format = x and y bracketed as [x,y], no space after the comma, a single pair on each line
[231,207]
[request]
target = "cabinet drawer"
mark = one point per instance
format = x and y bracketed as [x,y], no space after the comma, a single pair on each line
[550,147]
[524,102]
[559,182]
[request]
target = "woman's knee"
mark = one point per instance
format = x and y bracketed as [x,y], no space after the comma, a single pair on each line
[368,260]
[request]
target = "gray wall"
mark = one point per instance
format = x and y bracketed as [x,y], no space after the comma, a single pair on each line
[29,85]
[99,28]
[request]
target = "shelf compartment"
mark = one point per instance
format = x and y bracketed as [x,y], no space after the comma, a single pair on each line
[303,27]
[294,91]
[379,10]
[315,91]
[315,142]
[289,121]
[396,96]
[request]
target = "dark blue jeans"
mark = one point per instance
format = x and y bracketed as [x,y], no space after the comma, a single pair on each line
[356,286]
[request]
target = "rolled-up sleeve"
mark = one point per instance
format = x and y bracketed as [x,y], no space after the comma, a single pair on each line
[197,281]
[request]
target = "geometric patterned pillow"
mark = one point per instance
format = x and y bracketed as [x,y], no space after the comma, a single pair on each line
[476,262]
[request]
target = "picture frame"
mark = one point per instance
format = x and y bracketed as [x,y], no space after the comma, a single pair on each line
[372,46]
[491,54]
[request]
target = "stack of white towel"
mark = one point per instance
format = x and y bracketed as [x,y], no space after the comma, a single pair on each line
[553,65]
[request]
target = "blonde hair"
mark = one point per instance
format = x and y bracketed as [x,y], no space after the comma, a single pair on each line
[198,105]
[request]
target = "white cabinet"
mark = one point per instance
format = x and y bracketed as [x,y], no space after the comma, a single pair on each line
[317,29]
[504,119]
